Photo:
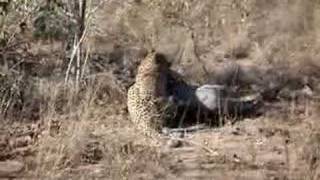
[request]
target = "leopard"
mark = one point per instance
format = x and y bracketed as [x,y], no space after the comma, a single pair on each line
[146,97]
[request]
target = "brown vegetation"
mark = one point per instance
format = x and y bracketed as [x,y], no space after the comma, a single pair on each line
[64,80]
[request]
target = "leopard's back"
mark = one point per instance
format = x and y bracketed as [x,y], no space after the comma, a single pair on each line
[144,96]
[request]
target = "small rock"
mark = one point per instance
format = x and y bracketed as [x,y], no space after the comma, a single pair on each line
[178,134]
[20,141]
[166,131]
[236,158]
[236,131]
[10,168]
[174,143]
[307,91]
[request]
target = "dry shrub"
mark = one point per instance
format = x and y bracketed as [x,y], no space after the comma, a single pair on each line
[311,151]
[89,125]
[85,140]
[81,129]
[66,140]
[239,46]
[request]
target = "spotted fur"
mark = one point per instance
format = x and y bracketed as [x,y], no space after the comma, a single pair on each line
[145,95]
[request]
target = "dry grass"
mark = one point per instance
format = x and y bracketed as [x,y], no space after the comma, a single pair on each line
[85,133]
[80,131]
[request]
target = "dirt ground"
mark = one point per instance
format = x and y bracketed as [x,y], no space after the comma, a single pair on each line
[89,136]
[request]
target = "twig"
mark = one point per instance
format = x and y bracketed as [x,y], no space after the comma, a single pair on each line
[84,64]
[185,130]
[70,62]
[78,67]
[73,54]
